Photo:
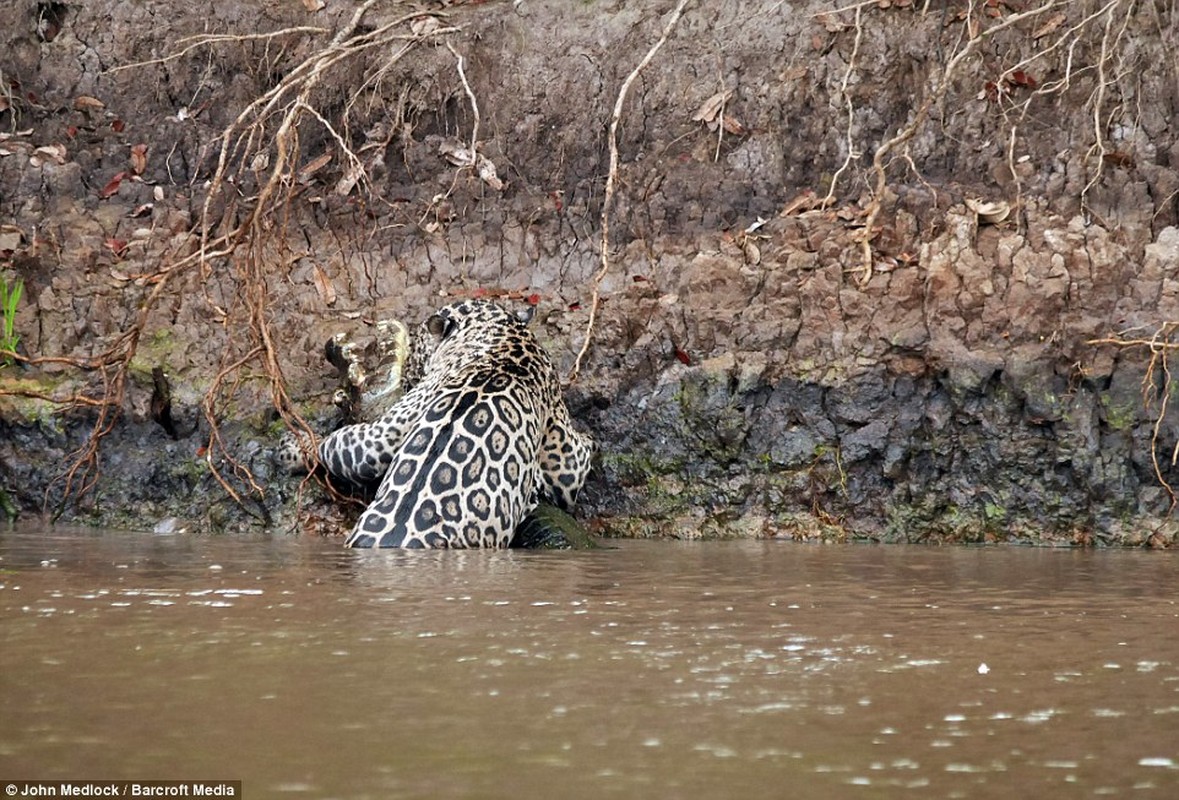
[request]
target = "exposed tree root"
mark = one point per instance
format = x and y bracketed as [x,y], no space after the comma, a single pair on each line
[1156,390]
[978,24]
[611,181]
[261,166]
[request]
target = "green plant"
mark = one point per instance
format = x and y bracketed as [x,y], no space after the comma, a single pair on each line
[9,297]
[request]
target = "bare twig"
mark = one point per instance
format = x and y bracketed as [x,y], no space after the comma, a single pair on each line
[612,178]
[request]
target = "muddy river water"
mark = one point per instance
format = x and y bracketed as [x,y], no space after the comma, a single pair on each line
[653,670]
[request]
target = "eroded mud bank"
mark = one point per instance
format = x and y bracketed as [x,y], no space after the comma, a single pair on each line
[749,372]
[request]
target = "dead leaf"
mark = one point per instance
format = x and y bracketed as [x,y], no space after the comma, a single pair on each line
[347,181]
[457,153]
[112,186]
[712,106]
[158,193]
[733,125]
[314,5]
[117,125]
[55,153]
[424,26]
[752,251]
[139,158]
[683,357]
[116,246]
[1051,24]
[806,201]
[1021,78]
[1119,159]
[488,173]
[314,166]
[831,23]
[260,161]
[323,285]
[993,212]
[141,211]
[85,102]
[794,73]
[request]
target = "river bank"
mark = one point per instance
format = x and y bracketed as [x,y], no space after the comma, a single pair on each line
[888,273]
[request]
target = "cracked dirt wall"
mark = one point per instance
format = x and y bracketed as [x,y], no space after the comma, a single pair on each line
[749,372]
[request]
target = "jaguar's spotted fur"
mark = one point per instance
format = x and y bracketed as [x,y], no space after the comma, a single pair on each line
[479,437]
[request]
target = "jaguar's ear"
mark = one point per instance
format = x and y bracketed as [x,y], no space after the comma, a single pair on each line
[525,315]
[439,326]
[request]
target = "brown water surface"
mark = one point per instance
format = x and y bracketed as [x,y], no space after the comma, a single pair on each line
[654,670]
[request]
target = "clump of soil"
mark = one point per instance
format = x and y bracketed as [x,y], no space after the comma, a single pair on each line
[901,271]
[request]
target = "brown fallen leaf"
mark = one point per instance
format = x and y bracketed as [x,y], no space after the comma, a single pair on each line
[349,180]
[832,23]
[83,102]
[1051,24]
[751,251]
[1119,159]
[323,285]
[424,26]
[712,106]
[806,201]
[992,212]
[314,5]
[488,173]
[55,153]
[733,125]
[313,166]
[138,158]
[112,186]
[116,246]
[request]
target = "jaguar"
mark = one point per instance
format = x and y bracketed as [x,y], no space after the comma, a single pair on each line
[478,437]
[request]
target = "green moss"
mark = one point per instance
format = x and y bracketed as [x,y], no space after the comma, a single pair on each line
[153,351]
[1119,416]
[17,407]
[7,507]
